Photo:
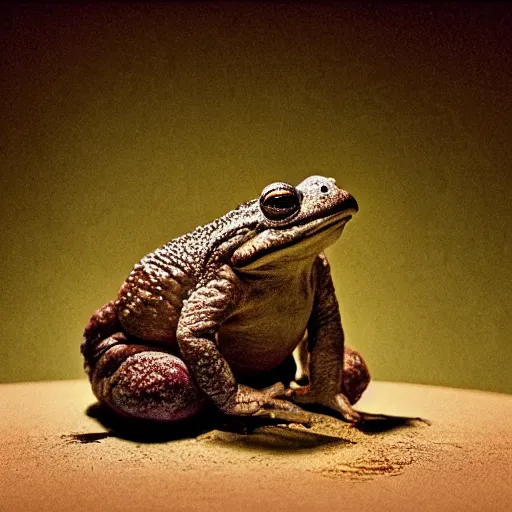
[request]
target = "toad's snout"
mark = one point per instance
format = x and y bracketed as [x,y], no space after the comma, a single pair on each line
[349,203]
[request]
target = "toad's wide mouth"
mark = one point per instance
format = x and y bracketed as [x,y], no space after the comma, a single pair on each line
[275,240]
[318,225]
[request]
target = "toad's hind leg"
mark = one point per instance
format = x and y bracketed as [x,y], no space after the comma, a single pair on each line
[136,380]
[356,375]
[140,382]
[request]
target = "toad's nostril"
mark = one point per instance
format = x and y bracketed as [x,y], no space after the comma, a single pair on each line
[324,189]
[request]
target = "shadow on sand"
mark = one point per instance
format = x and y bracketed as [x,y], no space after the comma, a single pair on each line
[277,437]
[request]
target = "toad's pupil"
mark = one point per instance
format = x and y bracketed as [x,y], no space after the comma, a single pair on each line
[285,200]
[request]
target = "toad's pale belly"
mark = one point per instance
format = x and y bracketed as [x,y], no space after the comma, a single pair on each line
[270,322]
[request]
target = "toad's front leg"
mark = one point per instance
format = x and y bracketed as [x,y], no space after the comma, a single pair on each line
[337,376]
[201,316]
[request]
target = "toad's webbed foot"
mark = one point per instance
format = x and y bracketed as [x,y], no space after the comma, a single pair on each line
[264,404]
[338,403]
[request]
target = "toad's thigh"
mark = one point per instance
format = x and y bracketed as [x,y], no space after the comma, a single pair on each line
[140,382]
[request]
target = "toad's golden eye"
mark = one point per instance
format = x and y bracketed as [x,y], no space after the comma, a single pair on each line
[280,201]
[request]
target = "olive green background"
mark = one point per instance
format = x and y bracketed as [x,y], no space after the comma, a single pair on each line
[124,126]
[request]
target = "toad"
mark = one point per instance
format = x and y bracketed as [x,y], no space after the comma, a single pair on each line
[239,314]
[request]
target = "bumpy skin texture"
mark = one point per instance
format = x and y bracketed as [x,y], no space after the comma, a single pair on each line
[212,318]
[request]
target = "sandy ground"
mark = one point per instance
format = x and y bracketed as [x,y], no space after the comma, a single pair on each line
[55,457]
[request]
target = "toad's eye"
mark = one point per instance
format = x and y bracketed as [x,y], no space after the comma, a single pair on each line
[279,201]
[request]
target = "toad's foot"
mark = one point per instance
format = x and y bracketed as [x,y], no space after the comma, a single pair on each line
[335,397]
[264,404]
[338,403]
